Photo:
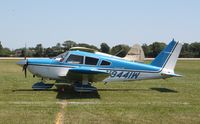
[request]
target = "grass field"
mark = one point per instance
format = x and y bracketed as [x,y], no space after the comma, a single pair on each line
[175,100]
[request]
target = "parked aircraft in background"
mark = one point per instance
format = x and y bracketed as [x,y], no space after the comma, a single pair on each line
[136,54]
[80,67]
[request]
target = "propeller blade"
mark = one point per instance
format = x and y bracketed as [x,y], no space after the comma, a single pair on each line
[25,69]
[25,73]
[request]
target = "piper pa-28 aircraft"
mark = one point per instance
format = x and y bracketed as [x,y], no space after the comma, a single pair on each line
[80,67]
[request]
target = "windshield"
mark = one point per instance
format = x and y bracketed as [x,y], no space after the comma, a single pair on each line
[61,57]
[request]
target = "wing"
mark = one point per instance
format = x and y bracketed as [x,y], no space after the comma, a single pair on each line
[91,74]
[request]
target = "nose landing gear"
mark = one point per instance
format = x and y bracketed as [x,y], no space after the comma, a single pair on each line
[41,86]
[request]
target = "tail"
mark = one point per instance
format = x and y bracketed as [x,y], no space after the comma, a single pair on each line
[168,57]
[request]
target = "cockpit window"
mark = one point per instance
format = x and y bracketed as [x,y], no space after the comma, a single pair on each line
[91,61]
[105,63]
[75,59]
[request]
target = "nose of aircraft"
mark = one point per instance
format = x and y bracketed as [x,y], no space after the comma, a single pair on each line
[24,64]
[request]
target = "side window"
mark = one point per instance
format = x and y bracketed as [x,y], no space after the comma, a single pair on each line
[105,63]
[91,61]
[75,59]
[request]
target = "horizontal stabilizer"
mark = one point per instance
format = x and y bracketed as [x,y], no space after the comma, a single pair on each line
[171,75]
[166,75]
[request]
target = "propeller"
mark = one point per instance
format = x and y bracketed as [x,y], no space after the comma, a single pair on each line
[26,63]
[25,68]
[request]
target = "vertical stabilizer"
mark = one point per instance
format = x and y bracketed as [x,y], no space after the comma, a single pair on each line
[168,57]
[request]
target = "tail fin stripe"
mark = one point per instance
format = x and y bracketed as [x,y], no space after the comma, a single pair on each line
[168,57]
[170,53]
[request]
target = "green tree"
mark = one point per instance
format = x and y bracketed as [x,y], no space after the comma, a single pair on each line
[87,46]
[49,52]
[146,50]
[57,49]
[68,44]
[120,50]
[104,48]
[1,47]
[38,50]
[185,51]
[4,52]
[156,48]
[195,49]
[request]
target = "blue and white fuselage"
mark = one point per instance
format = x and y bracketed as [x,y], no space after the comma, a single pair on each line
[118,69]
[82,66]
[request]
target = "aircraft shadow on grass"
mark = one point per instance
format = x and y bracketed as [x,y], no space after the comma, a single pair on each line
[121,90]
[69,93]
[32,90]
[164,90]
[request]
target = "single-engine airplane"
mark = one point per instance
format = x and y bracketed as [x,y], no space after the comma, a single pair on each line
[80,67]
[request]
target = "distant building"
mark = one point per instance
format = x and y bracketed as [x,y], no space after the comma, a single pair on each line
[18,53]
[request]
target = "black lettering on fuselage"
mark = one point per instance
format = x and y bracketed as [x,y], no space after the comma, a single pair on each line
[123,74]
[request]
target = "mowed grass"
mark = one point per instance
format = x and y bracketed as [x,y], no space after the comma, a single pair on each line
[174,100]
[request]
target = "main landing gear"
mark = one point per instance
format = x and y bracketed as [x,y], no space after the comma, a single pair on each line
[80,87]
[84,86]
[77,87]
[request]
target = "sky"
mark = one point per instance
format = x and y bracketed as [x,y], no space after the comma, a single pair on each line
[95,21]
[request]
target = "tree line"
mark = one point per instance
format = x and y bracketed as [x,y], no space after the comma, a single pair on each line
[5,52]
[189,50]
